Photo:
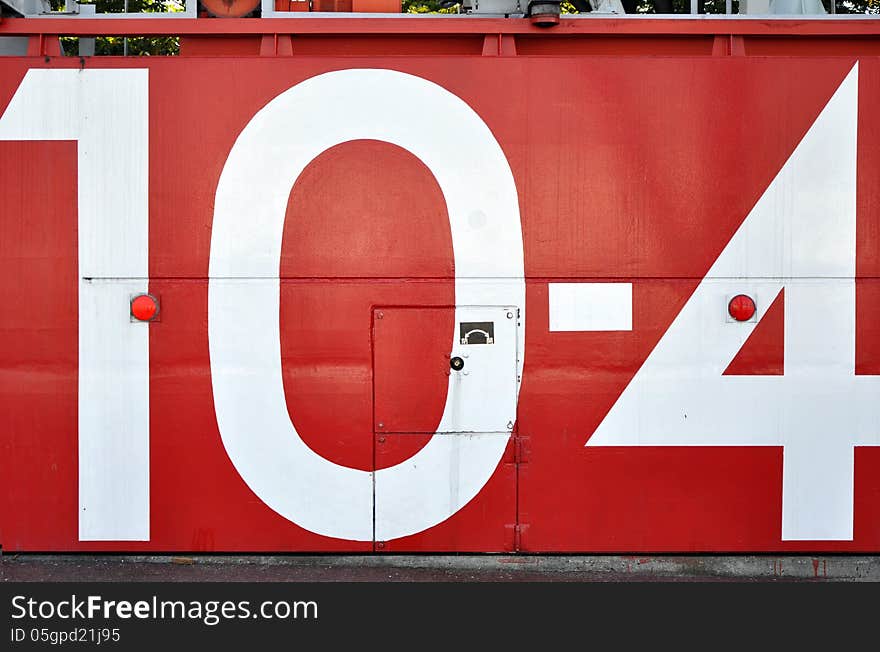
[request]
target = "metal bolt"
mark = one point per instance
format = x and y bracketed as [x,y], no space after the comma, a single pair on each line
[379,315]
[381,425]
[465,373]
[380,545]
[381,440]
[510,315]
[510,425]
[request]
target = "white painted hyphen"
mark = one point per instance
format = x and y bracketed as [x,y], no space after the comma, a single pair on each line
[590,306]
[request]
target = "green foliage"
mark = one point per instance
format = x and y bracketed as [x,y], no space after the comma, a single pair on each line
[118,6]
[144,46]
[136,6]
[428,7]
[133,45]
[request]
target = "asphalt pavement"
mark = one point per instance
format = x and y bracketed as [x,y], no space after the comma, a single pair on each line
[438,568]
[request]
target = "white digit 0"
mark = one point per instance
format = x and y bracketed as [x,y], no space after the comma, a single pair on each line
[243,295]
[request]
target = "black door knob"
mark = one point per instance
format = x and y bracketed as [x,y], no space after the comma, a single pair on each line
[456,363]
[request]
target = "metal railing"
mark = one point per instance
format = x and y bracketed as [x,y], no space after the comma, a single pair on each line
[756,8]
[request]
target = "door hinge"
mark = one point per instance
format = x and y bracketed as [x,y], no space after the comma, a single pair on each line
[520,449]
[517,530]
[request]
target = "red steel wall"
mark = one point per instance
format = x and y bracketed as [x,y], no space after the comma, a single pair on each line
[628,169]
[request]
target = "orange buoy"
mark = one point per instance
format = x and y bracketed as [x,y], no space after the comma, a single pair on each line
[230,8]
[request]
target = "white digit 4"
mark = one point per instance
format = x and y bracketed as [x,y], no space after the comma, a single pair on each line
[801,236]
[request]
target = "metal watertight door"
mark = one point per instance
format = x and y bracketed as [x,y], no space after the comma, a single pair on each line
[443,418]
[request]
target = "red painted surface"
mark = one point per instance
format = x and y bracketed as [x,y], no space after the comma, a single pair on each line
[38,347]
[292,5]
[629,169]
[789,31]
[763,353]
[410,350]
[486,524]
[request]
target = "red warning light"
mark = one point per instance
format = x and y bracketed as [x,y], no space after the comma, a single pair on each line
[145,307]
[741,307]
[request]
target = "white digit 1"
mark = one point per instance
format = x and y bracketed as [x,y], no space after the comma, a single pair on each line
[801,236]
[105,112]
[244,293]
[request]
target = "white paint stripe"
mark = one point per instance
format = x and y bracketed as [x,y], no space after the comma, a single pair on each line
[114,415]
[106,112]
[114,354]
[817,491]
[590,306]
